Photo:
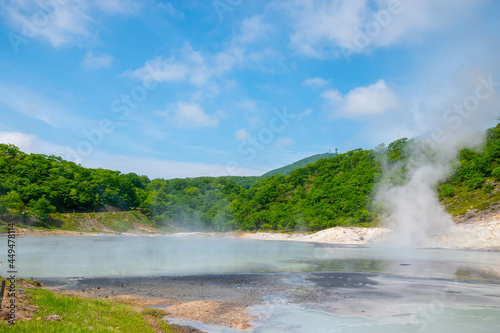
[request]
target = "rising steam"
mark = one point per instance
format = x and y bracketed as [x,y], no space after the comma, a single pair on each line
[453,113]
[415,213]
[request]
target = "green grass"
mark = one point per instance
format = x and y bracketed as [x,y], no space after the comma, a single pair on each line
[116,221]
[461,199]
[83,222]
[83,315]
[4,228]
[124,221]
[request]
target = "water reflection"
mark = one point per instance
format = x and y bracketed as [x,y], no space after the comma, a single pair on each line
[156,256]
[426,263]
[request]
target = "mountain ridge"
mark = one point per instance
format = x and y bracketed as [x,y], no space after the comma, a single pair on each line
[287,169]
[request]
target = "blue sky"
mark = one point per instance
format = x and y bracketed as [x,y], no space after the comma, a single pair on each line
[239,87]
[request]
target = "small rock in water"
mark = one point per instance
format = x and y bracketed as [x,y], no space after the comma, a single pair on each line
[361,238]
[405,264]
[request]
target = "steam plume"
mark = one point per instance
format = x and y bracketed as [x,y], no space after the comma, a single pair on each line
[452,114]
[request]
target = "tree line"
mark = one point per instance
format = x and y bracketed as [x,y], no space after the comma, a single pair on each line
[330,192]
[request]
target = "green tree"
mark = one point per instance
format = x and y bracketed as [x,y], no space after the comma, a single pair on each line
[12,203]
[41,209]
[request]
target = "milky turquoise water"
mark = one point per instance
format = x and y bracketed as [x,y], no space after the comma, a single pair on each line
[100,256]
[442,320]
[422,290]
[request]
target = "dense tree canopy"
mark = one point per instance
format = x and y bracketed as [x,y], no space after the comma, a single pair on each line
[332,191]
[33,181]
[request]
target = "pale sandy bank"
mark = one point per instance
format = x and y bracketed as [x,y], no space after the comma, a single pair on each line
[478,233]
[483,235]
[340,235]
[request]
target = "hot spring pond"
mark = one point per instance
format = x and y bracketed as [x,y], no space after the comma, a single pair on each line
[357,289]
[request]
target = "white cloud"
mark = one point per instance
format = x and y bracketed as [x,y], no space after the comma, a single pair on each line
[167,169]
[253,29]
[23,141]
[162,70]
[242,135]
[374,99]
[320,24]
[251,42]
[188,115]
[91,61]
[128,7]
[36,105]
[30,143]
[154,168]
[205,70]
[248,104]
[192,66]
[315,81]
[304,114]
[283,142]
[169,9]
[418,17]
[332,96]
[60,22]
[260,57]
[322,27]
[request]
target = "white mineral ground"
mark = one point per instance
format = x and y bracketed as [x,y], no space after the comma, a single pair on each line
[474,235]
[476,230]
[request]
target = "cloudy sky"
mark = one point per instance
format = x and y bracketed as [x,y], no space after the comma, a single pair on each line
[205,88]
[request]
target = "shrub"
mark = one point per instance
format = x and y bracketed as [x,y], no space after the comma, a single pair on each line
[446,191]
[488,188]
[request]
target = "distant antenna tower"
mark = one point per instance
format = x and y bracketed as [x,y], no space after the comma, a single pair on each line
[336,151]
[329,151]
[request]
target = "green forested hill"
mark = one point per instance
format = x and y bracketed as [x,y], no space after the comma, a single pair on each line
[32,181]
[287,169]
[476,181]
[35,185]
[332,191]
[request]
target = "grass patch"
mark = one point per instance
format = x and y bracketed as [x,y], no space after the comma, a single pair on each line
[83,315]
[465,199]
[4,228]
[93,222]
[152,312]
[123,221]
